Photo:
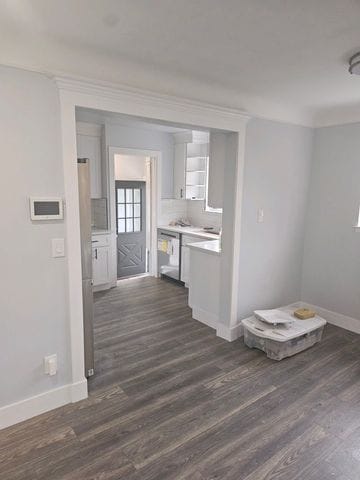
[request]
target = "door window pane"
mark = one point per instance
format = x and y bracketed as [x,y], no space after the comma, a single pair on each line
[137,210]
[137,195]
[129,195]
[121,210]
[120,195]
[129,225]
[129,210]
[121,225]
[137,225]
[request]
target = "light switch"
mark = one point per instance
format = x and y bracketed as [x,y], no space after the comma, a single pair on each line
[260,215]
[58,247]
[50,365]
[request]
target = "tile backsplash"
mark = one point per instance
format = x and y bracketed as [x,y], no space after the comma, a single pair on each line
[171,210]
[99,217]
[200,217]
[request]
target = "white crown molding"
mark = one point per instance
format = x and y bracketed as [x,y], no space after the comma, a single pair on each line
[318,119]
[124,93]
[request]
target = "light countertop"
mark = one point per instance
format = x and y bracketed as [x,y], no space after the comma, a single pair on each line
[194,231]
[99,231]
[213,247]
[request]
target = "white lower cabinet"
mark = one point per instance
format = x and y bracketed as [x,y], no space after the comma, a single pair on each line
[185,264]
[101,262]
[185,256]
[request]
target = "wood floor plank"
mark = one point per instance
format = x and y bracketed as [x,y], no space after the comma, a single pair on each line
[172,401]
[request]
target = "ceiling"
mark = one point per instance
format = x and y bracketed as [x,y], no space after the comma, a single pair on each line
[279,59]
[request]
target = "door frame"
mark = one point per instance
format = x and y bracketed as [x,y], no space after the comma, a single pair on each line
[153,194]
[77,92]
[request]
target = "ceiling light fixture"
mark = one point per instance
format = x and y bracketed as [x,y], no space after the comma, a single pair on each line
[354,64]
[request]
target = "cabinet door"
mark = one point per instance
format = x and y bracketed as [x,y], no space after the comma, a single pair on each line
[89,146]
[185,264]
[217,163]
[101,259]
[179,171]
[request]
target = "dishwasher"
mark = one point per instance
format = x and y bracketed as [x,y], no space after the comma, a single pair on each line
[169,254]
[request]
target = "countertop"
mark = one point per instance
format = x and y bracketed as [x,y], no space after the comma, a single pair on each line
[99,231]
[194,231]
[213,247]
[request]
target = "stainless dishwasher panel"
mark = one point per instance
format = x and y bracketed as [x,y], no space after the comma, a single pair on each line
[169,260]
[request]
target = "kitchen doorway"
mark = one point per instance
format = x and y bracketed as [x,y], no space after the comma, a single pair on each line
[134,202]
[181,113]
[130,227]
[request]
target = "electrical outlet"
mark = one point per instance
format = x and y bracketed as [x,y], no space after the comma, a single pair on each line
[50,365]
[260,215]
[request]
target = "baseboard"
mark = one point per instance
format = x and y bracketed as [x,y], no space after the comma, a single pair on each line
[44,402]
[229,333]
[348,323]
[79,390]
[338,319]
[205,317]
[104,286]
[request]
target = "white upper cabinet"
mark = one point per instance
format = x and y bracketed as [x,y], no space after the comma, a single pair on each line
[190,165]
[179,171]
[197,155]
[88,139]
[217,156]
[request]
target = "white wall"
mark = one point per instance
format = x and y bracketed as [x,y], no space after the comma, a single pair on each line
[129,137]
[276,178]
[130,167]
[33,291]
[199,217]
[331,274]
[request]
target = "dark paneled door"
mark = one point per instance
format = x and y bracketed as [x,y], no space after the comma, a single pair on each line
[130,228]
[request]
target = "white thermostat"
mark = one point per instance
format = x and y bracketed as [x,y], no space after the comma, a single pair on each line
[46,208]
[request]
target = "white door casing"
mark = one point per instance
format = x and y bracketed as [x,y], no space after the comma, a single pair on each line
[107,97]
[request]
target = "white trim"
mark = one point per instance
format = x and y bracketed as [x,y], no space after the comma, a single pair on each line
[75,93]
[229,333]
[208,318]
[38,404]
[237,229]
[72,220]
[88,129]
[148,104]
[155,198]
[334,318]
[338,319]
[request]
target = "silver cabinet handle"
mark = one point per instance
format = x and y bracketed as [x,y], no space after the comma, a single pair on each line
[167,235]
[95,253]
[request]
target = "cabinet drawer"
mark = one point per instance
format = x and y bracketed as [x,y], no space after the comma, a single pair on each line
[100,240]
[101,263]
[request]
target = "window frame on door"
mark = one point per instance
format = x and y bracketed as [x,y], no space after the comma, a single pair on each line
[132,203]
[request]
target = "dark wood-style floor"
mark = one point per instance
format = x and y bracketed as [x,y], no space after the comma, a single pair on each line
[170,400]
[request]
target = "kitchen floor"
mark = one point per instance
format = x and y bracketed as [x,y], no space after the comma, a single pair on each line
[170,400]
